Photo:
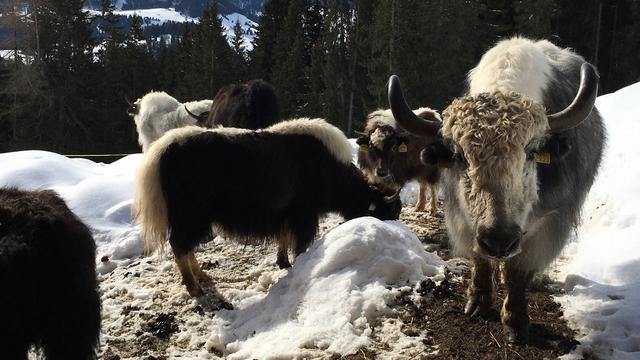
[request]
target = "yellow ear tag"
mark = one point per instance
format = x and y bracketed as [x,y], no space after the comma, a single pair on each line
[364,148]
[543,158]
[402,147]
[372,207]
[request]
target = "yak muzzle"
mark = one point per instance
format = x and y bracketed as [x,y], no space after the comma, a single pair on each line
[500,242]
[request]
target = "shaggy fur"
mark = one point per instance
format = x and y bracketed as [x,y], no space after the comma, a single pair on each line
[496,183]
[251,105]
[379,152]
[157,112]
[48,295]
[250,184]
[501,207]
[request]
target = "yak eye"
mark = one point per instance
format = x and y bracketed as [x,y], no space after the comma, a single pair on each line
[459,158]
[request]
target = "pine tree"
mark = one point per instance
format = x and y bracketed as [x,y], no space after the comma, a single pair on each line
[337,84]
[240,65]
[271,21]
[237,42]
[65,57]
[289,69]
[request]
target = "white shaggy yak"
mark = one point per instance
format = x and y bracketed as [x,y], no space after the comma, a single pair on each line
[525,144]
[158,112]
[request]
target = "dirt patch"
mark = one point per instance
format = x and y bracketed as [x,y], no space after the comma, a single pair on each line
[452,335]
[148,315]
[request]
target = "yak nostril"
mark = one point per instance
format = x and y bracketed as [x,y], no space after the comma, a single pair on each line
[512,246]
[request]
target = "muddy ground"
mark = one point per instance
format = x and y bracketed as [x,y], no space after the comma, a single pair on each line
[151,317]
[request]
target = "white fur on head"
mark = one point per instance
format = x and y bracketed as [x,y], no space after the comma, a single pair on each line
[382,117]
[517,64]
[158,112]
[332,137]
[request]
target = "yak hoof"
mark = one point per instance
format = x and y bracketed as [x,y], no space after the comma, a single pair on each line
[478,305]
[195,291]
[203,277]
[283,263]
[518,335]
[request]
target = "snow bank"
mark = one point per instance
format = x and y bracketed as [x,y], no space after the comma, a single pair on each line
[156,16]
[602,275]
[330,297]
[101,195]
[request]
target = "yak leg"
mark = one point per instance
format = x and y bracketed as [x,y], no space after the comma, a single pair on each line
[284,241]
[480,290]
[422,195]
[196,269]
[303,228]
[433,202]
[188,278]
[515,314]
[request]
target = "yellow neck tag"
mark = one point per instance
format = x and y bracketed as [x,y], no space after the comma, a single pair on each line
[372,207]
[364,148]
[543,158]
[402,147]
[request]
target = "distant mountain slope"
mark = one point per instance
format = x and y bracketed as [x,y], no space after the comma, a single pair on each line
[192,8]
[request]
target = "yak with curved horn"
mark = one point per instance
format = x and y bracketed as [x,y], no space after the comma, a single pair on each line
[524,147]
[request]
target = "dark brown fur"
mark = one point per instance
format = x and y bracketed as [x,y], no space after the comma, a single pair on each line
[400,166]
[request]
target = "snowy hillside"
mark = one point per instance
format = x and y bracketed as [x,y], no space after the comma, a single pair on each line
[333,295]
[249,8]
[160,16]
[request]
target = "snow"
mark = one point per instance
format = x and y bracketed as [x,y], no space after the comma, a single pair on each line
[249,27]
[159,16]
[603,298]
[101,195]
[10,55]
[332,297]
[325,304]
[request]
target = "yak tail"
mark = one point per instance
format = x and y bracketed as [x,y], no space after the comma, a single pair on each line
[150,206]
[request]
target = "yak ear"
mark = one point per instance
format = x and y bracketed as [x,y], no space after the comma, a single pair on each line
[557,147]
[362,140]
[437,154]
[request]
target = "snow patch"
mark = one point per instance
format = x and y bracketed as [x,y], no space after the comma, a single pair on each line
[329,298]
[603,298]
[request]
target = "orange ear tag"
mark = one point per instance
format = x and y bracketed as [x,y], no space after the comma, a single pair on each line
[364,148]
[402,148]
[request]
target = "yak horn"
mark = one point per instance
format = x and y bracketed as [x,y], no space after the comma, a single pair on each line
[391,198]
[200,118]
[405,116]
[581,106]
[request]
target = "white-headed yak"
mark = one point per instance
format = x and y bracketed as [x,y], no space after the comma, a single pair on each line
[525,144]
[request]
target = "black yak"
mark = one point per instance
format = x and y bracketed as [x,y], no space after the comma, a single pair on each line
[251,105]
[526,144]
[390,156]
[270,183]
[48,290]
